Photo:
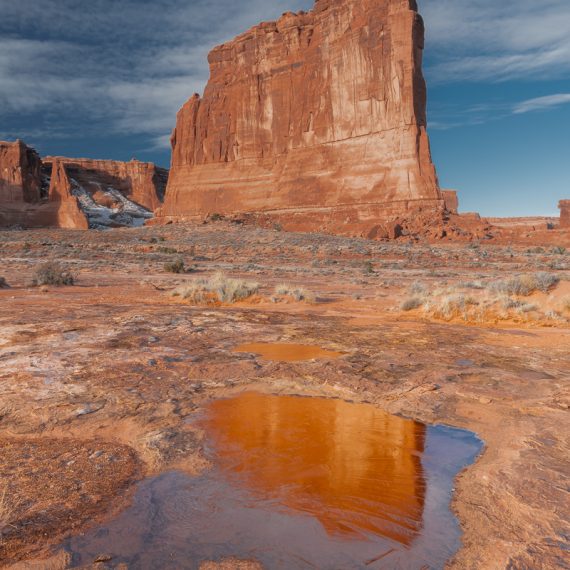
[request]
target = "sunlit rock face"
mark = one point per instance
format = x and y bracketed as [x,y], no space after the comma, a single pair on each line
[564,206]
[317,120]
[30,199]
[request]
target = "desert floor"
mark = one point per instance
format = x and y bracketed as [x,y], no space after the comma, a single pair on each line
[98,380]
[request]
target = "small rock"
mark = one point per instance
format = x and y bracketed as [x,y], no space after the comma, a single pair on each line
[485,400]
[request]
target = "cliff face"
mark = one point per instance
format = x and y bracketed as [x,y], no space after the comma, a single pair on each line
[141,182]
[75,193]
[564,207]
[317,120]
[20,173]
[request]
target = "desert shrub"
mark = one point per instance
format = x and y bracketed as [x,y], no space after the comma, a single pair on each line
[218,288]
[519,306]
[449,306]
[168,250]
[419,288]
[175,266]
[558,250]
[52,273]
[295,293]
[524,285]
[3,283]
[411,304]
[535,250]
[473,285]
[216,217]
[546,281]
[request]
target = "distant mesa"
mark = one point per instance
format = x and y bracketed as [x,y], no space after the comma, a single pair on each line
[316,121]
[75,193]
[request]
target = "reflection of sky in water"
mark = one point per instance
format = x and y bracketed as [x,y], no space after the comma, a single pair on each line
[357,485]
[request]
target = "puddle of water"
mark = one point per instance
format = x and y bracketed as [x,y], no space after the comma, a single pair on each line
[286,352]
[299,483]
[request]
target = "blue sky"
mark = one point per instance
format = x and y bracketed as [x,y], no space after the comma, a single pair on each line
[105,78]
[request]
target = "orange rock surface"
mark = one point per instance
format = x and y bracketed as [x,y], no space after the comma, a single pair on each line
[24,197]
[564,206]
[451,200]
[317,120]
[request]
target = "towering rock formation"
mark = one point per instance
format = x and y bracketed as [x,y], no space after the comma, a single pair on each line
[141,182]
[564,206]
[317,121]
[20,174]
[75,193]
[25,199]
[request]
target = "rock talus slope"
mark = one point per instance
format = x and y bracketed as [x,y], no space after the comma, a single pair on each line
[317,120]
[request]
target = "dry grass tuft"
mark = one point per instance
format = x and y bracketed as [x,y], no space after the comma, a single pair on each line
[216,289]
[52,273]
[296,293]
[525,285]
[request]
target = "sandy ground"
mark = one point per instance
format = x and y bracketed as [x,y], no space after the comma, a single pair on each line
[98,381]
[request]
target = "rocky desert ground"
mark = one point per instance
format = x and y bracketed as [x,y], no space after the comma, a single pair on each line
[99,379]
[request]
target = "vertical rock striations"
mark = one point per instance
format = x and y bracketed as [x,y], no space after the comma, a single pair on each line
[75,193]
[141,182]
[564,207]
[317,121]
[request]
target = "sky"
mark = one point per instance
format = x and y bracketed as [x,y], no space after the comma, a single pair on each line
[105,78]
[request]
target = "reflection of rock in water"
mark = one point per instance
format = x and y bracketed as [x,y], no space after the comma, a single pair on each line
[355,468]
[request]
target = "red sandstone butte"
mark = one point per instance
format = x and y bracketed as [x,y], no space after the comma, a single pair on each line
[451,201]
[25,199]
[141,182]
[564,206]
[317,120]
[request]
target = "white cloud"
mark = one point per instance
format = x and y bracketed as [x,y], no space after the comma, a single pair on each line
[481,40]
[541,103]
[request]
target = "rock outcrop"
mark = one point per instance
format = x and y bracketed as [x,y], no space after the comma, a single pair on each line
[564,206]
[451,201]
[317,120]
[27,200]
[20,174]
[141,182]
[75,193]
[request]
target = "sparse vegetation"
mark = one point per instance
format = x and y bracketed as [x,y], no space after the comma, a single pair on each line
[6,510]
[52,273]
[168,250]
[216,289]
[175,266]
[295,293]
[411,304]
[525,285]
